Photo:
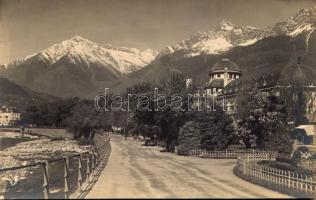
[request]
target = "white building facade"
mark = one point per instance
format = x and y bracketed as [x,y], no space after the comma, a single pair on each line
[8,116]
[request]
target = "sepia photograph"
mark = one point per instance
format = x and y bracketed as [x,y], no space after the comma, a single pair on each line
[103,99]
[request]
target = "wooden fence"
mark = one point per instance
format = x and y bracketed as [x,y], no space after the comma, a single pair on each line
[248,167]
[229,154]
[70,173]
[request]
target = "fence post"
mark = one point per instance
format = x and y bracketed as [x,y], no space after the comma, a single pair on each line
[88,167]
[66,175]
[248,163]
[96,156]
[46,180]
[306,183]
[92,164]
[226,153]
[79,172]
[289,179]
[244,161]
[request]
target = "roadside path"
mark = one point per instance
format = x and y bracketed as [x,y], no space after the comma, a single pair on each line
[136,171]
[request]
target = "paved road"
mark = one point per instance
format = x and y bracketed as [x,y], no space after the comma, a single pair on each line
[137,171]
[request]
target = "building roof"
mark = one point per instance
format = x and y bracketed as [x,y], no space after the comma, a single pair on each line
[232,88]
[299,73]
[225,63]
[216,83]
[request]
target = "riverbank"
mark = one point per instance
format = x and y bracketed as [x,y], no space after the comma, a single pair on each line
[37,149]
[48,132]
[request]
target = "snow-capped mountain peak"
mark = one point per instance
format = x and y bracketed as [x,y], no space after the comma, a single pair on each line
[79,49]
[227,35]
[226,25]
[303,21]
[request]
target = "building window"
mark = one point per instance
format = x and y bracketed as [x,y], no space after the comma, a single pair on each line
[218,75]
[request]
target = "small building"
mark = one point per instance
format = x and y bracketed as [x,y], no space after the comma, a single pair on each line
[9,116]
[304,134]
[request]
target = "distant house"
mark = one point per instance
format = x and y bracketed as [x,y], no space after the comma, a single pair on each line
[8,116]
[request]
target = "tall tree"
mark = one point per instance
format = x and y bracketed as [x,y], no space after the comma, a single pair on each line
[263,122]
[216,129]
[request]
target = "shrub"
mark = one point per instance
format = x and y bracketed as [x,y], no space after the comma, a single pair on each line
[216,129]
[298,154]
[189,137]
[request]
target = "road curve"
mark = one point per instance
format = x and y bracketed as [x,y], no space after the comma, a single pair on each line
[136,171]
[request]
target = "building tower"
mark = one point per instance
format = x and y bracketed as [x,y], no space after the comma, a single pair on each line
[220,75]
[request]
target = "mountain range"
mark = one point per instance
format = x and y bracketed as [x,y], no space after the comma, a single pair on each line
[228,35]
[79,67]
[75,67]
[257,51]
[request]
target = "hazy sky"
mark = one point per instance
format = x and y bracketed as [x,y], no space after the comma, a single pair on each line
[28,26]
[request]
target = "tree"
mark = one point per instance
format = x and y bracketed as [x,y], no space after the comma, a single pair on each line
[262,123]
[49,114]
[189,137]
[164,122]
[170,120]
[84,120]
[216,129]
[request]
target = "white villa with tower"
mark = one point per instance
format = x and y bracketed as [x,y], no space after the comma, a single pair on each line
[221,74]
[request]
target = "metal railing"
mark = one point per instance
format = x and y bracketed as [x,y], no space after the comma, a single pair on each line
[63,175]
[248,166]
[227,153]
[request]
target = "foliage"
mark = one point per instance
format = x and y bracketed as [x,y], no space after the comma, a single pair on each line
[216,129]
[52,114]
[170,120]
[262,122]
[301,153]
[79,116]
[85,120]
[189,137]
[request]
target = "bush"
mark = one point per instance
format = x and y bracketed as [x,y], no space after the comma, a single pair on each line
[189,137]
[303,149]
[216,129]
[284,160]
[299,154]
